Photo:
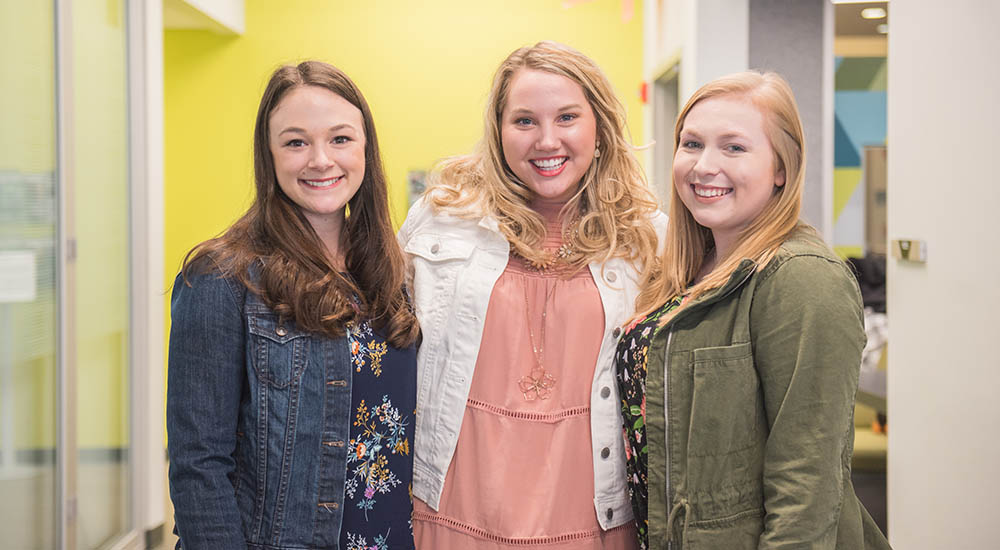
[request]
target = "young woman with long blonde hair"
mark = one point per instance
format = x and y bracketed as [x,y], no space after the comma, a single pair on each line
[738,376]
[526,257]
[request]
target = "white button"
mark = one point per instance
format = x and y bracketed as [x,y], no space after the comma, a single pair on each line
[435,247]
[611,276]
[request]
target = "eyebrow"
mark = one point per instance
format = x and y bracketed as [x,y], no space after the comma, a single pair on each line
[525,110]
[338,127]
[733,135]
[723,137]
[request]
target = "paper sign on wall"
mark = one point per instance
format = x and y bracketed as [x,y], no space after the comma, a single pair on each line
[17,276]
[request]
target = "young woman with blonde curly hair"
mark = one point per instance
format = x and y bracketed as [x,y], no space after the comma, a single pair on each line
[744,363]
[526,256]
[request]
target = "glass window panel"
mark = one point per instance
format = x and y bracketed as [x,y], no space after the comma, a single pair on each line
[28,297]
[101,217]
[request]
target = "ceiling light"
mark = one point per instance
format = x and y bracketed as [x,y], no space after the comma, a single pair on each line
[873,13]
[882,28]
[855,2]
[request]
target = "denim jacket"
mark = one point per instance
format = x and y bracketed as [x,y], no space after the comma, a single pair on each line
[257,415]
[454,264]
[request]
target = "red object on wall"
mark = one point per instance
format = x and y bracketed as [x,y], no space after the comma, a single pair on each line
[644,93]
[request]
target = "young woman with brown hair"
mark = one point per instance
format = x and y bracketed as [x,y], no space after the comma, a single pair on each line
[292,367]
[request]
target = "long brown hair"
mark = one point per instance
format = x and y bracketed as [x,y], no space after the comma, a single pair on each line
[615,203]
[688,242]
[275,252]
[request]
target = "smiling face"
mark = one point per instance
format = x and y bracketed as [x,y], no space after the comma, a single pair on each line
[548,133]
[724,168]
[317,140]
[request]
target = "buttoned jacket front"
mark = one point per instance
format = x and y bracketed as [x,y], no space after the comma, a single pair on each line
[454,264]
[258,413]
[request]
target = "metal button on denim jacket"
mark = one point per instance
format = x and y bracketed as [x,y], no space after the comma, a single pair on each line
[255,409]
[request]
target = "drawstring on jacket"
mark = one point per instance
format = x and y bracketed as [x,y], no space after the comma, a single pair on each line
[682,503]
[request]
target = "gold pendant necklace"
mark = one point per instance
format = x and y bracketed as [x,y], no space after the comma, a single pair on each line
[537,384]
[562,255]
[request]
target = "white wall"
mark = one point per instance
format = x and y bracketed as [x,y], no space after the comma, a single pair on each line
[145,43]
[795,39]
[712,38]
[707,38]
[221,16]
[944,368]
[721,42]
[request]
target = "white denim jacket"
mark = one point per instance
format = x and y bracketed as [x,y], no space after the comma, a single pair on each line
[454,264]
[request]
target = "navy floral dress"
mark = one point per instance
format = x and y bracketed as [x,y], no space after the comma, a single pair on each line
[377,494]
[630,368]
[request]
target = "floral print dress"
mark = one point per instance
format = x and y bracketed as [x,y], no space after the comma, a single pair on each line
[630,369]
[377,502]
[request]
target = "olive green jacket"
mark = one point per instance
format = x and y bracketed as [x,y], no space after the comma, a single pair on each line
[759,394]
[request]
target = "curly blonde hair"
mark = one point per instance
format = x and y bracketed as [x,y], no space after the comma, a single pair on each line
[614,201]
[688,243]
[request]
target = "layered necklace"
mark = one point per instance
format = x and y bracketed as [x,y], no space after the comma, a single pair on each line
[561,256]
[538,383]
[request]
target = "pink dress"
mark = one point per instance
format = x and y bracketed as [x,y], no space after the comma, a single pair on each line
[522,474]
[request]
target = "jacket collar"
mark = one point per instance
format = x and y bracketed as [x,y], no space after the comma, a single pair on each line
[490,223]
[739,277]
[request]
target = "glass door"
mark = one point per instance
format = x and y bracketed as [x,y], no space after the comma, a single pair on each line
[65,412]
[29,294]
[100,217]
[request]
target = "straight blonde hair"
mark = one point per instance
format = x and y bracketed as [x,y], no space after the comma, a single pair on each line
[615,204]
[688,242]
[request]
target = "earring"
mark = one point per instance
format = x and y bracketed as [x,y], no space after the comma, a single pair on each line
[597,150]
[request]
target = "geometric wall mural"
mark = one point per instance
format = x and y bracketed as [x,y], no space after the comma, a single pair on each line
[859,110]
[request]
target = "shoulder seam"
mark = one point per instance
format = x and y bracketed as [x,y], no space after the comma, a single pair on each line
[781,260]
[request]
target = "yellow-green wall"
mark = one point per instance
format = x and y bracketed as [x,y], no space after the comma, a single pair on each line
[425,68]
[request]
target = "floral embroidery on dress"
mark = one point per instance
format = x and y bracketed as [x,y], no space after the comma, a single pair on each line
[365,349]
[630,360]
[379,466]
[359,542]
[383,432]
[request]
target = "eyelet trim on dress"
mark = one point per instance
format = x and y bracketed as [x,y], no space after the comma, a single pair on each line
[511,541]
[549,418]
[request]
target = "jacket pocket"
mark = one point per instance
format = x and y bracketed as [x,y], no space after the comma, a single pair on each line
[439,248]
[279,350]
[437,261]
[726,401]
